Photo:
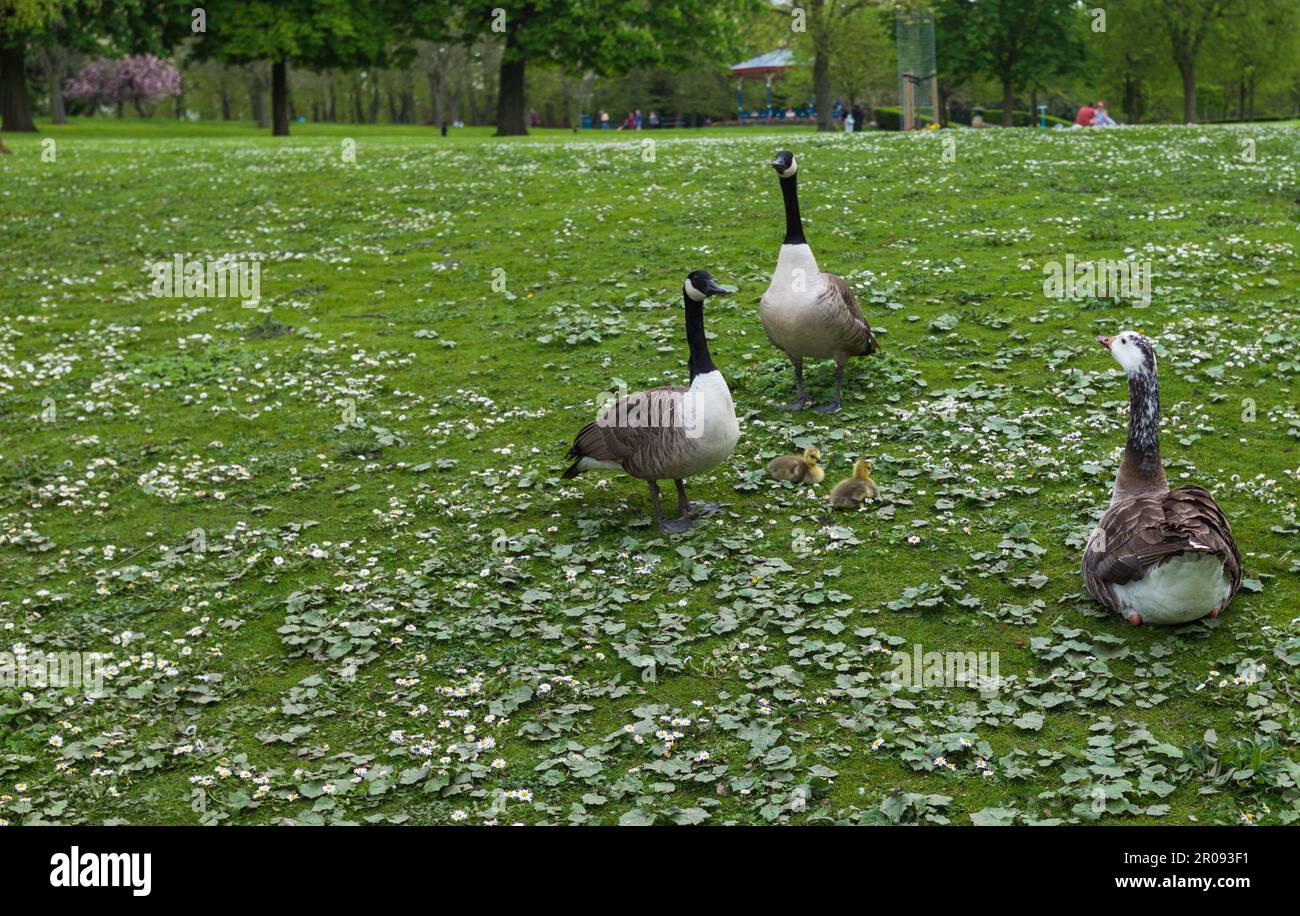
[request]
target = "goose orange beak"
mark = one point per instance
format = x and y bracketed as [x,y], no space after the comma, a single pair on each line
[1105,341]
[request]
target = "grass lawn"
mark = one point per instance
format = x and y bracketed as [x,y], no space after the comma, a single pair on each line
[325,542]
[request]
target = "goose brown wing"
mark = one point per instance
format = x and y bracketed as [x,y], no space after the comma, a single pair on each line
[638,432]
[839,299]
[1139,533]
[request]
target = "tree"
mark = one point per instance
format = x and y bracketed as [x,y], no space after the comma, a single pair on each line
[1188,23]
[312,33]
[601,36]
[822,26]
[99,27]
[19,20]
[1255,42]
[863,60]
[140,80]
[1019,42]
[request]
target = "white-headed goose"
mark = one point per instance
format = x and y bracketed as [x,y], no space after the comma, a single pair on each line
[668,433]
[807,313]
[1158,555]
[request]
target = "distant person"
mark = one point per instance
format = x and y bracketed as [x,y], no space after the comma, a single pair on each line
[1101,117]
[848,123]
[638,119]
[604,119]
[653,120]
[629,123]
[859,118]
[977,119]
[1085,116]
[789,113]
[534,118]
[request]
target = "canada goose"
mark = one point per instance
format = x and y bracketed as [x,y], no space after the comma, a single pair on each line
[798,468]
[851,493]
[668,433]
[806,313]
[1157,555]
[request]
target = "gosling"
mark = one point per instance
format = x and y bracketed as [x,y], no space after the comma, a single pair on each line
[851,493]
[798,468]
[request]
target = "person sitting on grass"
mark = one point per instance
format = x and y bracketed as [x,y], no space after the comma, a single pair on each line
[1101,117]
[1087,114]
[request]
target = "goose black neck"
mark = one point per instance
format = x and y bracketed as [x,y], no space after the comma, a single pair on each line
[793,224]
[1142,453]
[701,363]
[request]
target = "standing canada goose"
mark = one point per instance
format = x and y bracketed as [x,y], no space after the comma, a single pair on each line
[1158,555]
[851,493]
[806,313]
[798,468]
[668,433]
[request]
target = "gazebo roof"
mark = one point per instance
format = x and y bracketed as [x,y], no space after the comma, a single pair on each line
[771,62]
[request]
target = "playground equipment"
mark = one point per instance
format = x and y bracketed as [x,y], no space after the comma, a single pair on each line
[918,82]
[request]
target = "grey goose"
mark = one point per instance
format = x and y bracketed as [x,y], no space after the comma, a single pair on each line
[1157,555]
[668,433]
[808,314]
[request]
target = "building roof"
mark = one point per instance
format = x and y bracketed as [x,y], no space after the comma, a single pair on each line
[772,61]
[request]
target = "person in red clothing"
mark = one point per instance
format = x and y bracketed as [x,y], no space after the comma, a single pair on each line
[1085,116]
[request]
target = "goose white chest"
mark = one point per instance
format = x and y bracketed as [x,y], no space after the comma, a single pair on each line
[710,425]
[791,309]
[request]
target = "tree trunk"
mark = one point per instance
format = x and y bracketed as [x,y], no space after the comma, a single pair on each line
[1188,71]
[225,95]
[1008,104]
[279,99]
[257,96]
[52,61]
[511,117]
[15,103]
[822,89]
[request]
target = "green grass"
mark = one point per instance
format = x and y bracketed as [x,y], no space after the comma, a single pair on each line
[363,475]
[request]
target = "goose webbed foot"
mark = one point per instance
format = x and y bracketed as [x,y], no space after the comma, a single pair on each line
[828,407]
[677,525]
[700,510]
[802,402]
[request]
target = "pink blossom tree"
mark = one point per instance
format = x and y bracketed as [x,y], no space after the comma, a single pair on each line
[141,80]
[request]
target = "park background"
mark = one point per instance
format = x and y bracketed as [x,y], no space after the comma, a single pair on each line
[321,541]
[552,64]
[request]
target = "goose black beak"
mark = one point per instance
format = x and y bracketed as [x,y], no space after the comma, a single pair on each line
[710,288]
[1106,341]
